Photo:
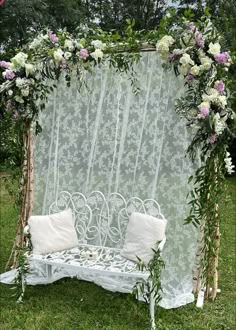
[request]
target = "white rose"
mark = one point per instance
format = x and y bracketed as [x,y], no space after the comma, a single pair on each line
[69,44]
[58,55]
[214,48]
[97,54]
[25,91]
[19,59]
[20,82]
[206,63]
[29,69]
[186,59]
[10,92]
[67,55]
[195,70]
[98,44]
[183,69]
[19,99]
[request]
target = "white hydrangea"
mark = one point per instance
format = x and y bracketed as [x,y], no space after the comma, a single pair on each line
[228,163]
[69,44]
[219,124]
[97,54]
[213,96]
[21,82]
[214,48]
[98,44]
[163,50]
[168,40]
[19,60]
[58,55]
[163,46]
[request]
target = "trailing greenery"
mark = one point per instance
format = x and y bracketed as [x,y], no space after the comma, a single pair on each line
[151,286]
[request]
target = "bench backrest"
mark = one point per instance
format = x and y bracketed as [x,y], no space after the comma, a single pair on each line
[101,220]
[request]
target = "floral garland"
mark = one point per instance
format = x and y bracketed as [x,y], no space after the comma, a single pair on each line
[193,51]
[203,65]
[196,54]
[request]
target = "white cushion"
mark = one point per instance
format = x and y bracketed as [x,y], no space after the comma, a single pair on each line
[52,233]
[142,234]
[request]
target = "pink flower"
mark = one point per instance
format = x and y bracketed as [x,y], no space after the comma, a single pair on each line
[189,78]
[222,57]
[52,37]
[212,138]
[8,74]
[220,86]
[199,39]
[4,64]
[204,110]
[63,64]
[84,53]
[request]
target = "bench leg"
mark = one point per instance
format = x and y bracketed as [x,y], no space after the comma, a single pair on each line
[152,311]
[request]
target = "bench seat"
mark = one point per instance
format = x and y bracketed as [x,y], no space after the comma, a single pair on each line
[107,260]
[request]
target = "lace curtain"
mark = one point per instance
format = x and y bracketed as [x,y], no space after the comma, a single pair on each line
[106,138]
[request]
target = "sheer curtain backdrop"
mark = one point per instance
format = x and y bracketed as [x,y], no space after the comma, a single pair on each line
[106,138]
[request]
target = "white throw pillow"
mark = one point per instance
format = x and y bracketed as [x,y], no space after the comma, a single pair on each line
[142,234]
[52,233]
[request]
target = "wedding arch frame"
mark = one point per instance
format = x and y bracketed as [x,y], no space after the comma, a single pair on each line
[193,51]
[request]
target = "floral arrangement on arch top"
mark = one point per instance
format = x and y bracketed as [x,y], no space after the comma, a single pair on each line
[194,52]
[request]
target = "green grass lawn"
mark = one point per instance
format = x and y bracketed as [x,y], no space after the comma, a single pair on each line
[71,304]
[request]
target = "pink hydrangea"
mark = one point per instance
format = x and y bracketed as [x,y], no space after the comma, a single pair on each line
[212,138]
[52,37]
[84,53]
[220,86]
[222,57]
[199,39]
[8,74]
[4,64]
[204,110]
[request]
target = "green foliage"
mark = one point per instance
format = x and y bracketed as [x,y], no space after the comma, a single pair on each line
[151,286]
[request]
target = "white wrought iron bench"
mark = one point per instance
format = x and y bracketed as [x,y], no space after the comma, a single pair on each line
[101,223]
